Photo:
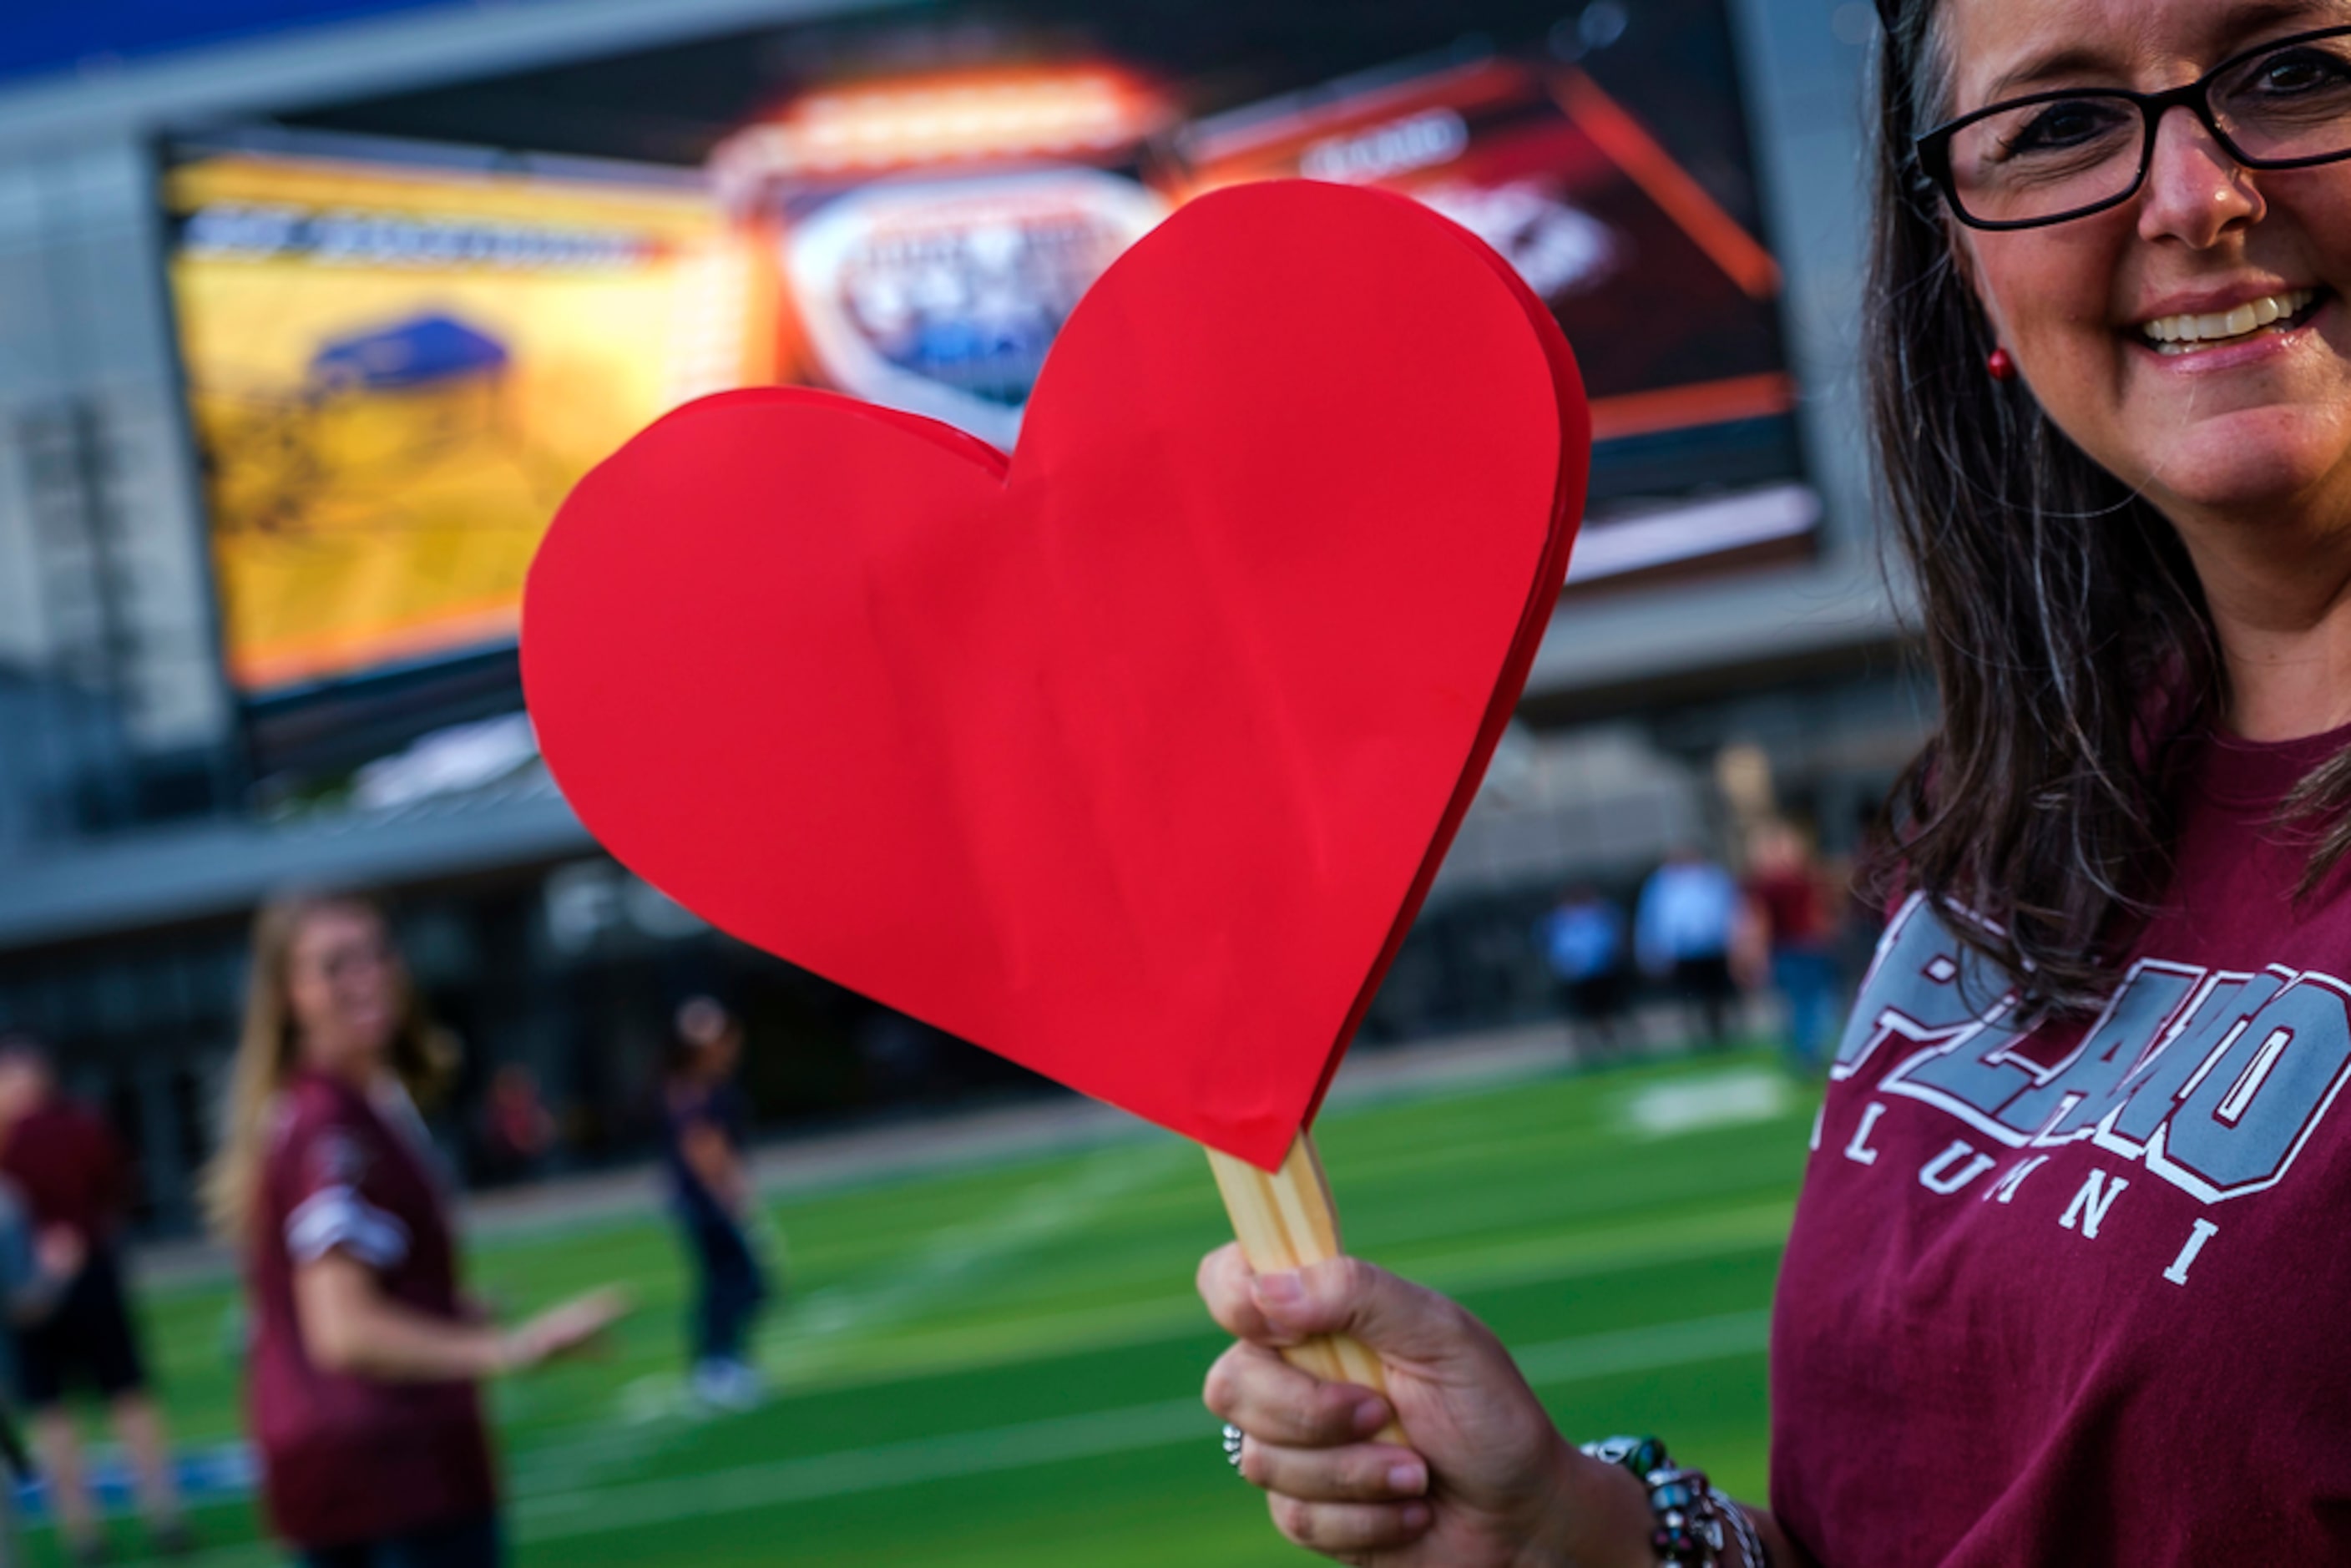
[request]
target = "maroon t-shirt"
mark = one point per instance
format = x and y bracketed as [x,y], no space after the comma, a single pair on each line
[347,1459]
[2078,1294]
[1792,905]
[71,1169]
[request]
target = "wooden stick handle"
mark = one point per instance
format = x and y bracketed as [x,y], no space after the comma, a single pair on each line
[1287,1221]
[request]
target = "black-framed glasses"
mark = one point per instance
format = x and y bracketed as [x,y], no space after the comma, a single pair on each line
[2051,156]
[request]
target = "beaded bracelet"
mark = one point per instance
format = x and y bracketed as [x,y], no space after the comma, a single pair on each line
[1695,1520]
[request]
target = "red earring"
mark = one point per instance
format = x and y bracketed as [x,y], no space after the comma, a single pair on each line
[2001,366]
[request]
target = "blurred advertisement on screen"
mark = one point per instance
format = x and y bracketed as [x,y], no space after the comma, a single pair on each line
[1669,301]
[1660,291]
[928,237]
[942,299]
[411,323]
[395,375]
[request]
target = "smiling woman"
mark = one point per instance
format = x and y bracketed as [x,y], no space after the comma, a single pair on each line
[2049,1297]
[362,1368]
[2144,534]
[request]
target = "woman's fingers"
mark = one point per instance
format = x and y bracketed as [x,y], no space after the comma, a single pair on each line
[1272,1400]
[1348,1296]
[1335,1528]
[1224,1282]
[1362,1472]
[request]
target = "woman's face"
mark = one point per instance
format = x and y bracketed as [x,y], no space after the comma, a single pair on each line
[345,988]
[2254,425]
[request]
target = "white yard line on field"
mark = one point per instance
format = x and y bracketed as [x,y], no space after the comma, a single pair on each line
[950,1346]
[957,1257]
[1099,1434]
[585,1508]
[1719,1100]
[653,1412]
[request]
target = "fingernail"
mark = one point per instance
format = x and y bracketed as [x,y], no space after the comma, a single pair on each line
[1410,1479]
[1415,1516]
[1280,1291]
[1371,1415]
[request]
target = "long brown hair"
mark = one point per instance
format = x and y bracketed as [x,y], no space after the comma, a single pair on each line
[424,1056]
[2068,634]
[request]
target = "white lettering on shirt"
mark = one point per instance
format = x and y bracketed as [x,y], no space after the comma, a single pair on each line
[2004,1189]
[1935,1176]
[2177,1273]
[1858,1151]
[2090,1205]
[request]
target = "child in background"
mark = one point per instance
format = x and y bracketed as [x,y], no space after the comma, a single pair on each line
[705,1121]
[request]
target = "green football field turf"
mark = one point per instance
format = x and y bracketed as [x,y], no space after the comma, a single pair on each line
[1001,1365]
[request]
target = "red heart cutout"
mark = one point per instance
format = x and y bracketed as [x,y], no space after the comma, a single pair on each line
[1128,757]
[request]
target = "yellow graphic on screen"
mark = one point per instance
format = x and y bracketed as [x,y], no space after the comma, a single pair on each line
[397,376]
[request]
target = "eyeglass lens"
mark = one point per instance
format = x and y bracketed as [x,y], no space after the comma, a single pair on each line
[2040,160]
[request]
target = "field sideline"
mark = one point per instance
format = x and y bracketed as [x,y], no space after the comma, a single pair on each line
[1001,1365]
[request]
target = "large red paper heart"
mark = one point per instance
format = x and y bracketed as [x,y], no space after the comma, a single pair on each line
[1130,756]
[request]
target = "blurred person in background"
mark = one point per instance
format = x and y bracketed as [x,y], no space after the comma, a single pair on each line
[363,1374]
[37,1268]
[1582,941]
[1685,931]
[1788,891]
[1857,912]
[74,1179]
[705,1121]
[517,1129]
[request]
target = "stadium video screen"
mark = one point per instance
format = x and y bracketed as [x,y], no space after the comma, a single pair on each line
[395,374]
[402,346]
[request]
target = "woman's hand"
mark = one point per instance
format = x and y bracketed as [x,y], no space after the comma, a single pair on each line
[349,1325]
[1489,1481]
[577,1327]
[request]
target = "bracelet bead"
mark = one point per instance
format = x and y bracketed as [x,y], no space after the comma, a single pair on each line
[1695,1522]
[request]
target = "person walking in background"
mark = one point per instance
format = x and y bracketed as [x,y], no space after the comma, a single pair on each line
[1684,931]
[74,1179]
[1582,942]
[36,1268]
[361,1378]
[1788,889]
[705,1121]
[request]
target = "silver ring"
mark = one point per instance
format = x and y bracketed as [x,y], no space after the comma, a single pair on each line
[1233,1439]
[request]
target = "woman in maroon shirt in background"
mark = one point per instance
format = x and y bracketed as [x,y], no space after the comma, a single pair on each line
[364,1361]
[1789,892]
[2066,1281]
